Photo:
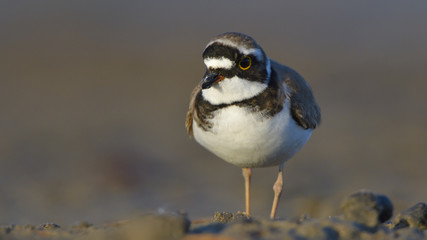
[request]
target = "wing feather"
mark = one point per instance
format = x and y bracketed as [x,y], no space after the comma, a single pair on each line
[192,110]
[304,108]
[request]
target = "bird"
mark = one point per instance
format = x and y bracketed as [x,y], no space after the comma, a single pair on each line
[250,110]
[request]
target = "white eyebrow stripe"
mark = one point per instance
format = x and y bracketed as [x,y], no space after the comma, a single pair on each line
[219,63]
[246,51]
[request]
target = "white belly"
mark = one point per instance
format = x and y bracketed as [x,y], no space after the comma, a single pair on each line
[245,139]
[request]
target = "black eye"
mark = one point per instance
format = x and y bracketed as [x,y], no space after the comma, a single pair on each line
[245,63]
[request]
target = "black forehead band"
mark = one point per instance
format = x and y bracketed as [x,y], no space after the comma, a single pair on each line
[218,50]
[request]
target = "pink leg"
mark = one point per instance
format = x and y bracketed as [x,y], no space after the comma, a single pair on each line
[277,188]
[247,172]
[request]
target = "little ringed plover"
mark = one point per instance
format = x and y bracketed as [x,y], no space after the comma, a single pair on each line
[250,110]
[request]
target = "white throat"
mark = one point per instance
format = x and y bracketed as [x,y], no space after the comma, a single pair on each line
[232,90]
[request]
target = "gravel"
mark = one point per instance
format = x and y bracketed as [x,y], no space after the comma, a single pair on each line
[365,215]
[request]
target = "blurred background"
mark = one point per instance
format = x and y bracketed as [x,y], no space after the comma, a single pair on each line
[93,97]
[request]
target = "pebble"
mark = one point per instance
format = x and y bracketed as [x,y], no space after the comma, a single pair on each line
[367,208]
[226,217]
[49,226]
[415,216]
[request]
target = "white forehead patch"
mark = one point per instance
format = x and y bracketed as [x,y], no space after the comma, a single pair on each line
[246,51]
[222,62]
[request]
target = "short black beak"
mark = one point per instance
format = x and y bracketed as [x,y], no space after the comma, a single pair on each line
[210,79]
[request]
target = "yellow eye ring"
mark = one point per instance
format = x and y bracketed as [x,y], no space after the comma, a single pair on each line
[245,63]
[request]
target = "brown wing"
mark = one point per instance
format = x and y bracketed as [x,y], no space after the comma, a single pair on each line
[192,110]
[304,108]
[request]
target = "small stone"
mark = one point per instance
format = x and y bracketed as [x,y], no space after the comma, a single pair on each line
[49,226]
[227,217]
[367,208]
[415,216]
[222,217]
[242,217]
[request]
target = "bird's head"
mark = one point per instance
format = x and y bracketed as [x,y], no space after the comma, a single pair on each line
[236,68]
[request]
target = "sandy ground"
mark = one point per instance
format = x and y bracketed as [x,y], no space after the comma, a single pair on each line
[364,215]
